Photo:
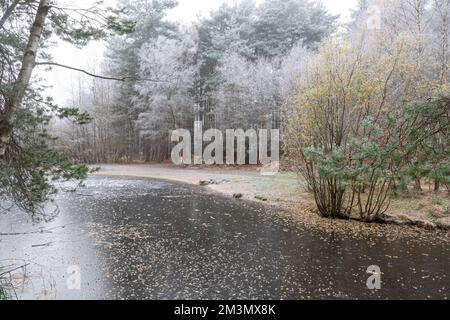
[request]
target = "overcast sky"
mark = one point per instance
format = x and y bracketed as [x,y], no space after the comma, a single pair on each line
[61,80]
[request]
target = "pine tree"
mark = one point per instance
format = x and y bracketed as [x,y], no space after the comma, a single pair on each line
[282,24]
[123,59]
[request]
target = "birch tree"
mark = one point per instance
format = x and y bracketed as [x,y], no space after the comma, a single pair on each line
[29,165]
[249,93]
[167,104]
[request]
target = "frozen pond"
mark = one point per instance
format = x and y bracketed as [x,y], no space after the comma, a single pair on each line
[143,239]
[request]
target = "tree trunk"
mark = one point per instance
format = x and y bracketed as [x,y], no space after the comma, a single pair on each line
[437,186]
[418,185]
[23,80]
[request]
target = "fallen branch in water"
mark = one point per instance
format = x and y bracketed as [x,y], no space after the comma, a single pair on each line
[24,233]
[35,232]
[41,245]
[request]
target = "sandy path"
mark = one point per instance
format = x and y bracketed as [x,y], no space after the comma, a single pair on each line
[249,183]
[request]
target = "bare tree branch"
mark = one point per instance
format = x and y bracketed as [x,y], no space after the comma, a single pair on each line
[124,79]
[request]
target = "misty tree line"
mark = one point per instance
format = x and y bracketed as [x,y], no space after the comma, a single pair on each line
[232,70]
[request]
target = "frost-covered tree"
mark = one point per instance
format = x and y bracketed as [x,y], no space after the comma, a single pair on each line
[292,68]
[281,24]
[168,102]
[100,140]
[268,31]
[440,25]
[249,92]
[228,28]
[123,59]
